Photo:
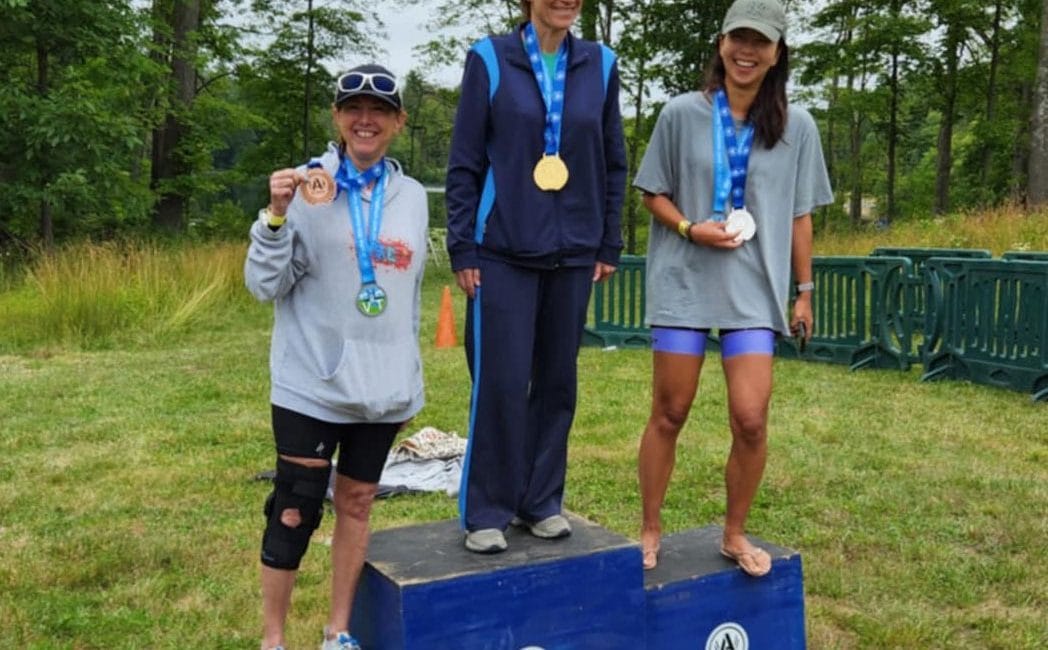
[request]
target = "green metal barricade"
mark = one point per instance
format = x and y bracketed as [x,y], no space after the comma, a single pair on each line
[913,307]
[988,322]
[618,308]
[1028,256]
[856,305]
[921,255]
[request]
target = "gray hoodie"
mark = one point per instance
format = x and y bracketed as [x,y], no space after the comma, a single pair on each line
[327,360]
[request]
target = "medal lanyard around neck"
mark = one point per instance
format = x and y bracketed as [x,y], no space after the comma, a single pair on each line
[552,89]
[731,156]
[365,237]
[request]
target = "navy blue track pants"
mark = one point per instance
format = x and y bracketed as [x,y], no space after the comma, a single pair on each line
[523,332]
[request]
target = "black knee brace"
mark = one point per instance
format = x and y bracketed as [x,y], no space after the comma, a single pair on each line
[296,487]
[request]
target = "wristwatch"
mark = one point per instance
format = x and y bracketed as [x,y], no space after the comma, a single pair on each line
[805,286]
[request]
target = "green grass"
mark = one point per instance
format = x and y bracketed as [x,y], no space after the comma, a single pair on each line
[129,517]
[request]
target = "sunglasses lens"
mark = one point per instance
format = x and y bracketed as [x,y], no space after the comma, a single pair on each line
[351,81]
[383,84]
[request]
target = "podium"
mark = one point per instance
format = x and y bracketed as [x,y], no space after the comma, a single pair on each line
[422,590]
[695,595]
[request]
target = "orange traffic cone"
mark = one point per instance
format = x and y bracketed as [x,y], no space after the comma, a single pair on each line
[446,322]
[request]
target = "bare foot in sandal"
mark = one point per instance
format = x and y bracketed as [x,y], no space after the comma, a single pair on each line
[649,545]
[753,560]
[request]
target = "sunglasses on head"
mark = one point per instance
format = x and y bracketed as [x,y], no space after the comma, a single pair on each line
[380,82]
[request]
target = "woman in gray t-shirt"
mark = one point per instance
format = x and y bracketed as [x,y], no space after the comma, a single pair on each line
[731,176]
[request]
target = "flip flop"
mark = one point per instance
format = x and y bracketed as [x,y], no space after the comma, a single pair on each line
[749,561]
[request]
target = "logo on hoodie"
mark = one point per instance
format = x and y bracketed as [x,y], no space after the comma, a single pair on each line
[393,253]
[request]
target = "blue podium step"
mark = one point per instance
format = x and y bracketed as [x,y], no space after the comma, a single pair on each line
[697,598]
[422,590]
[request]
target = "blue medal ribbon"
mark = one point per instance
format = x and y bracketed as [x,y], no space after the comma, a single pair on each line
[371,299]
[552,89]
[731,157]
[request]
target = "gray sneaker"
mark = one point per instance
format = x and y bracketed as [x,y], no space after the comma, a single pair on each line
[486,540]
[553,527]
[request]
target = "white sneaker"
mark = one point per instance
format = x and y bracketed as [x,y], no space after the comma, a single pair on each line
[486,540]
[553,527]
[341,641]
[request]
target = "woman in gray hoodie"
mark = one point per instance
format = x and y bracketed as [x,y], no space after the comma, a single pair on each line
[340,251]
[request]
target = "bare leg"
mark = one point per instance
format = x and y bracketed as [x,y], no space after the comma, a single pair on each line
[675,381]
[276,601]
[278,583]
[349,546]
[749,379]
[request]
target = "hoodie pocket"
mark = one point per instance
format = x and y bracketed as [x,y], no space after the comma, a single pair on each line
[372,379]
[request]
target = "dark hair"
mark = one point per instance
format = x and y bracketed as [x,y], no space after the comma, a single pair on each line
[525,9]
[768,113]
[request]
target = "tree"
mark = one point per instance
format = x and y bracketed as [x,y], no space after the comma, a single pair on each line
[457,24]
[882,35]
[1037,185]
[175,43]
[70,117]
[897,38]
[672,63]
[261,100]
[596,20]
[992,41]
[844,56]
[285,81]
[957,20]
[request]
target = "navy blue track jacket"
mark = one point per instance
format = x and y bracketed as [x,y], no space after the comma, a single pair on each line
[575,226]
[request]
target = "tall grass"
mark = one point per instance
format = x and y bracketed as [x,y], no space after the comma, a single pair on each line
[95,296]
[998,230]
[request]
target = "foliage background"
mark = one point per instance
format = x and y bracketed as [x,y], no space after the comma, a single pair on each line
[124,118]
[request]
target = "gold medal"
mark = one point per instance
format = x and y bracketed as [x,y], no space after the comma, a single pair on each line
[551,174]
[318,187]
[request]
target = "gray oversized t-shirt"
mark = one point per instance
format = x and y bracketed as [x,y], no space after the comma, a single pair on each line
[691,285]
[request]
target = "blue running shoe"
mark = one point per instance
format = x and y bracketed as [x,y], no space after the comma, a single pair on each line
[341,641]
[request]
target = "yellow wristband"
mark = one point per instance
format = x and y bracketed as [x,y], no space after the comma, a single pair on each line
[684,229]
[274,220]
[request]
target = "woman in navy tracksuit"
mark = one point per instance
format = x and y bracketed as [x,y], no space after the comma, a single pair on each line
[526,251]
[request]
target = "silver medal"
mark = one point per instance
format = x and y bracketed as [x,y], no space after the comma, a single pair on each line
[741,224]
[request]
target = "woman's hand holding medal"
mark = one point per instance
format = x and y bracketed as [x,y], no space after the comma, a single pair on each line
[282,184]
[715,234]
[317,188]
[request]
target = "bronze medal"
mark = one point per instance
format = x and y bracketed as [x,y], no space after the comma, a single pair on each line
[551,174]
[319,187]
